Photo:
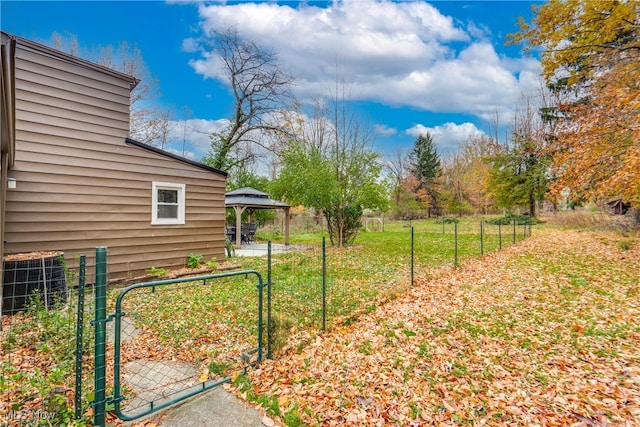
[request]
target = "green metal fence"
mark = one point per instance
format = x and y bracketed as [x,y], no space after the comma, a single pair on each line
[45,359]
[148,315]
[82,349]
[319,285]
[90,346]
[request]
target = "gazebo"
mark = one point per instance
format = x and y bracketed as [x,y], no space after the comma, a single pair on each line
[250,199]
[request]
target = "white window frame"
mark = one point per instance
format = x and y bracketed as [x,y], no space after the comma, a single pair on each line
[181,189]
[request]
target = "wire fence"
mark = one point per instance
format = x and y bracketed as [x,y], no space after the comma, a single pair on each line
[318,286]
[70,350]
[175,338]
[46,364]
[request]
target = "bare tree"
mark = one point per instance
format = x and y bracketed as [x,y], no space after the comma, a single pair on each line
[68,43]
[398,168]
[329,165]
[259,87]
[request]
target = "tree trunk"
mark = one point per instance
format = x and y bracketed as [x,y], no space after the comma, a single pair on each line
[532,205]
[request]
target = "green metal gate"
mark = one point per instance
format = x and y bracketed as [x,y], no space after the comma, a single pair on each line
[166,382]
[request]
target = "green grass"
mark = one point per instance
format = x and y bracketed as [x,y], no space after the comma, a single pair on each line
[379,262]
[212,324]
[209,322]
[47,336]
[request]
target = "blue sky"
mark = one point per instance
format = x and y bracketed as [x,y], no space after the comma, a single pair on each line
[412,67]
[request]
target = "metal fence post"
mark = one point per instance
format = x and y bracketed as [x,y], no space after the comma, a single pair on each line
[79,336]
[412,254]
[269,322]
[499,235]
[481,238]
[514,231]
[455,244]
[324,284]
[100,374]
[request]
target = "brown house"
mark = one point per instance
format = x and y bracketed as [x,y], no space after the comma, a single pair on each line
[73,180]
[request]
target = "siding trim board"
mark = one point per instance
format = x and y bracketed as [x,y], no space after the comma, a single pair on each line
[174,156]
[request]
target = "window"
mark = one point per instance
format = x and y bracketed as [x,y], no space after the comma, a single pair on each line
[168,202]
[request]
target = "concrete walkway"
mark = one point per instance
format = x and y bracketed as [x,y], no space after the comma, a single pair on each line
[260,249]
[214,408]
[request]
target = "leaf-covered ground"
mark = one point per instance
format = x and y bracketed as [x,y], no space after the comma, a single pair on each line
[546,332]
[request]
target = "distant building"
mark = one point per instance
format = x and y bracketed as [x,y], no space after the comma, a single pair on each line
[618,207]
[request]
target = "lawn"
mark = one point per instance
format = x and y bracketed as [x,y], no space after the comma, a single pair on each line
[212,324]
[376,267]
[543,333]
[508,325]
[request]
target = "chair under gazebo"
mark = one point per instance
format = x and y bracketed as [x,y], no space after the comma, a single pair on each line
[250,199]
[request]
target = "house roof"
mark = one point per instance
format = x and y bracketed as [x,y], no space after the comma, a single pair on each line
[252,198]
[30,44]
[174,156]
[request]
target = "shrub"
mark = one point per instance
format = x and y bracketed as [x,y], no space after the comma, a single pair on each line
[509,218]
[155,271]
[280,328]
[212,263]
[194,260]
[625,245]
[230,248]
[447,220]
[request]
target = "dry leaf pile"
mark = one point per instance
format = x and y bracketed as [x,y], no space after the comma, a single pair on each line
[546,332]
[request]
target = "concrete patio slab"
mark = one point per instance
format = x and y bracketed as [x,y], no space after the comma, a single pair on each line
[214,408]
[260,249]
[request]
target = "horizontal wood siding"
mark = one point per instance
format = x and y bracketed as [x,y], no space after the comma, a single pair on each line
[79,185]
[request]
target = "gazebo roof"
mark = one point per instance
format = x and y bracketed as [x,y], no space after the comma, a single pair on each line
[252,198]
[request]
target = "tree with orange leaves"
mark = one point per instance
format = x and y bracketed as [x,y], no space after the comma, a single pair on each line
[591,63]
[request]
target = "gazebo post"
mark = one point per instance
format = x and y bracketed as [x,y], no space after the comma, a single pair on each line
[239,210]
[286,226]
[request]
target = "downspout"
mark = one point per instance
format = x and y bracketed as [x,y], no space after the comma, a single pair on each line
[7,133]
[3,197]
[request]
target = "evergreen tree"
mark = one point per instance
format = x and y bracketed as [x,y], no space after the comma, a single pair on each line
[519,174]
[518,178]
[425,167]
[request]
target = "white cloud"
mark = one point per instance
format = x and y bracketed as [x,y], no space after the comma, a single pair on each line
[191,138]
[190,45]
[478,31]
[384,130]
[448,136]
[402,54]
